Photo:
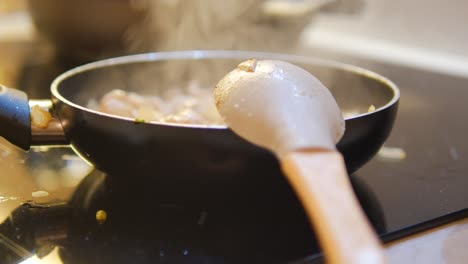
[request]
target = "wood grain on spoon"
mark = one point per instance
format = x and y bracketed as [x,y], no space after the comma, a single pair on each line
[284,108]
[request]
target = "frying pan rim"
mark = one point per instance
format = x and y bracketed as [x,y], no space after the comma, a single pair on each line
[216,54]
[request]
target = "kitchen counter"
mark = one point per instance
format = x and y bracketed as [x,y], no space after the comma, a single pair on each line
[443,244]
[438,168]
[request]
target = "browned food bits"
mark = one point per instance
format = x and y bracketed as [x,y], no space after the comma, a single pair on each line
[248,65]
[40,117]
[101,216]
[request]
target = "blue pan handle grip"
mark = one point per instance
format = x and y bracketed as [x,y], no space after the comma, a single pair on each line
[15,117]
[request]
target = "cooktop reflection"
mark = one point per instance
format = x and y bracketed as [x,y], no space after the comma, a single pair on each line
[108,221]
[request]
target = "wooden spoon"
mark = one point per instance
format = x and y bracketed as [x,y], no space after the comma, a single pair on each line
[282,107]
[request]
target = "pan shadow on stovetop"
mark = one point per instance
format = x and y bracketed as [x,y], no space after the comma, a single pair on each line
[143,227]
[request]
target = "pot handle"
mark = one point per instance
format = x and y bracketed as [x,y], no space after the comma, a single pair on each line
[15,117]
[15,121]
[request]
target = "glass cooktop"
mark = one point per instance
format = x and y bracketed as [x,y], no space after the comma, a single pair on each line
[54,208]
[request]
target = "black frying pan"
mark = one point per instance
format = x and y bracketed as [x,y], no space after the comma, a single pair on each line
[188,159]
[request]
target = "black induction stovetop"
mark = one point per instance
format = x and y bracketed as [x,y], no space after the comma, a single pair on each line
[401,196]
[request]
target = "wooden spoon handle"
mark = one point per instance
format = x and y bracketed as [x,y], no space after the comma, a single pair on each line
[321,182]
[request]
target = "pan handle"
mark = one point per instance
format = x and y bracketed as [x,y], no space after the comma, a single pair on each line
[15,121]
[15,117]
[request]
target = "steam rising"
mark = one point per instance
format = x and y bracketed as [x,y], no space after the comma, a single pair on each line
[212,24]
[171,25]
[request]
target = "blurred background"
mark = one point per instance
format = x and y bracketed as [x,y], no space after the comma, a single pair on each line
[420,33]
[39,39]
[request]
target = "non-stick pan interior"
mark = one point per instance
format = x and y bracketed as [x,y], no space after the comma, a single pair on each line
[354,89]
